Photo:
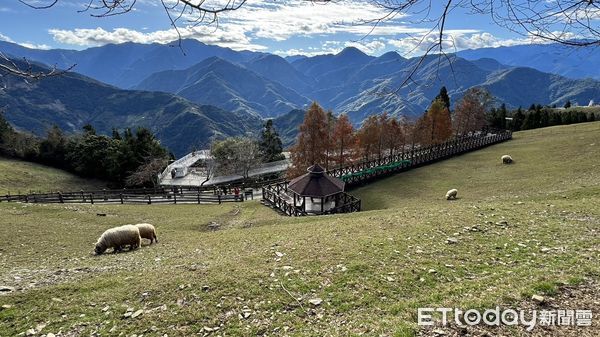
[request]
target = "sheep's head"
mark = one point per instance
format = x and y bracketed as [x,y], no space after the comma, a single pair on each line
[100,248]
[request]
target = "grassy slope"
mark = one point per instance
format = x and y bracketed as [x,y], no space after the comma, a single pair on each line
[372,269]
[21,177]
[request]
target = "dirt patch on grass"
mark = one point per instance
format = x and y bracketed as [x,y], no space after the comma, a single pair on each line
[584,296]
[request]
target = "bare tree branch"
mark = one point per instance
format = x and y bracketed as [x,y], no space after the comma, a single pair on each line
[9,67]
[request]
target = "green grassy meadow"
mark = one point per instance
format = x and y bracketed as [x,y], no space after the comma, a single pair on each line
[21,177]
[521,229]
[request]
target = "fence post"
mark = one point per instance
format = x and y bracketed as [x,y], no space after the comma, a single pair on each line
[218,196]
[149,200]
[92,198]
[60,197]
[121,195]
[175,199]
[198,196]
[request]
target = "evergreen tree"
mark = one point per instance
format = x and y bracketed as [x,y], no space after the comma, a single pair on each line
[502,116]
[545,119]
[568,104]
[53,149]
[116,135]
[270,145]
[567,117]
[89,129]
[518,119]
[528,122]
[443,96]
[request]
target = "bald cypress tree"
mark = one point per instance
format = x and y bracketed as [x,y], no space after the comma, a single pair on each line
[311,144]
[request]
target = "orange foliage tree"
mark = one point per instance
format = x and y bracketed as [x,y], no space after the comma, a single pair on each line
[369,137]
[394,137]
[470,111]
[312,143]
[435,126]
[343,141]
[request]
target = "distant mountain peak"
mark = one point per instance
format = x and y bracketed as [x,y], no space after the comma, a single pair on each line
[351,51]
[390,56]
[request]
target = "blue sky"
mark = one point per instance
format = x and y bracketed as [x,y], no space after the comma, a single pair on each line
[282,27]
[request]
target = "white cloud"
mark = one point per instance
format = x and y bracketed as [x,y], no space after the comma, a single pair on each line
[454,40]
[24,44]
[276,21]
[233,38]
[35,46]
[334,47]
[279,21]
[5,38]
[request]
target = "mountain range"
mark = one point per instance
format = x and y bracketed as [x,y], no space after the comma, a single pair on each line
[209,91]
[571,62]
[71,101]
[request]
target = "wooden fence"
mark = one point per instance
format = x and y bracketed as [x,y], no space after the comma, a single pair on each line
[124,196]
[163,194]
[365,171]
[276,196]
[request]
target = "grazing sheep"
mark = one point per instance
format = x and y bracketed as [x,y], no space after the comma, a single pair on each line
[118,237]
[147,231]
[451,194]
[506,159]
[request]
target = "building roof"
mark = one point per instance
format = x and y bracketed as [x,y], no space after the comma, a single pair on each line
[316,183]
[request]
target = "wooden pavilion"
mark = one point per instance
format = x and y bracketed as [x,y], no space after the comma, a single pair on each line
[316,192]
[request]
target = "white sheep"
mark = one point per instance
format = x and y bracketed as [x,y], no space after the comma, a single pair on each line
[506,159]
[147,231]
[118,237]
[451,194]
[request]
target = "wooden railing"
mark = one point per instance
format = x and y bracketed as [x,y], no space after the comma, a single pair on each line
[367,170]
[124,196]
[184,193]
[274,195]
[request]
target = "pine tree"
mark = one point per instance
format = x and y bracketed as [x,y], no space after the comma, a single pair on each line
[443,96]
[518,119]
[545,119]
[568,104]
[502,116]
[270,144]
[529,122]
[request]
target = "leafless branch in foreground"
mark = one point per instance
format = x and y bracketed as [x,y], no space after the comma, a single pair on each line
[9,67]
